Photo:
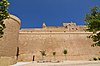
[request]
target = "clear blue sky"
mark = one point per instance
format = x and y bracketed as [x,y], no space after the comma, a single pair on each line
[54,12]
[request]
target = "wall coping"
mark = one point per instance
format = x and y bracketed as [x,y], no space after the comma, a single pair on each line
[56,32]
[16,19]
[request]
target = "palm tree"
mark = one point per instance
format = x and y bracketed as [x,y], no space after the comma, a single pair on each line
[43,53]
[65,53]
[54,53]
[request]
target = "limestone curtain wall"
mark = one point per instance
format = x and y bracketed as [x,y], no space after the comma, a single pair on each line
[77,44]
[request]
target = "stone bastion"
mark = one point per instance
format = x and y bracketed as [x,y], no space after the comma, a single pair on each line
[9,41]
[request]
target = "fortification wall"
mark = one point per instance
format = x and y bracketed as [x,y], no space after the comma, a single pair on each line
[77,44]
[9,41]
[67,27]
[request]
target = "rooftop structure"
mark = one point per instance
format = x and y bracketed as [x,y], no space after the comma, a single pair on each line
[67,27]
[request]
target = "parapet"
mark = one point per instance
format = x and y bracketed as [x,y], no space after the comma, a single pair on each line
[15,18]
[69,24]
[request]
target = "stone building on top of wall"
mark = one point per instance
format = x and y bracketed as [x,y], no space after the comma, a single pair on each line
[56,38]
[66,27]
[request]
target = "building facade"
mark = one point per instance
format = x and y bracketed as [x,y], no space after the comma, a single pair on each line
[56,39]
[26,44]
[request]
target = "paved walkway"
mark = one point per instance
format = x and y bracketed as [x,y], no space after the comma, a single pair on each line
[65,63]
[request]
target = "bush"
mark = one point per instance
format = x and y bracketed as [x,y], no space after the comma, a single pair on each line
[95,59]
[98,58]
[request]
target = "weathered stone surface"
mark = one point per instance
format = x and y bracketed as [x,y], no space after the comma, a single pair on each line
[52,38]
[9,42]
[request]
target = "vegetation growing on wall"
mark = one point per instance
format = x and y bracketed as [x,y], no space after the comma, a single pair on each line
[92,20]
[3,15]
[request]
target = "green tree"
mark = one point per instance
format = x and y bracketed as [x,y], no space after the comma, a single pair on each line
[54,54]
[43,53]
[92,20]
[65,53]
[3,15]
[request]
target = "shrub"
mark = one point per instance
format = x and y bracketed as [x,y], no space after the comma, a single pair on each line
[95,59]
[98,58]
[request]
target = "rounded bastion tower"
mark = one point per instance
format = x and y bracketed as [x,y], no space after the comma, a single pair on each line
[9,41]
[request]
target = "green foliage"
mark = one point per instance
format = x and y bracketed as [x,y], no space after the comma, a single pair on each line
[65,51]
[3,15]
[92,20]
[95,59]
[54,53]
[43,53]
